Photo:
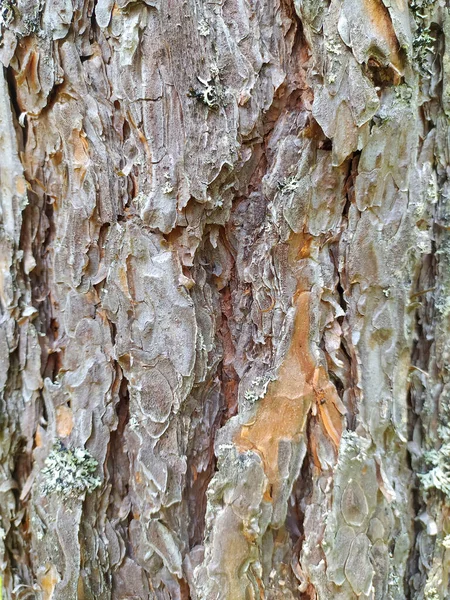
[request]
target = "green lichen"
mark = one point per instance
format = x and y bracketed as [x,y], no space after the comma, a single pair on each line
[403,94]
[419,5]
[333,46]
[438,477]
[27,23]
[395,581]
[424,41]
[432,594]
[443,254]
[435,588]
[353,448]
[32,23]
[6,12]
[133,423]
[69,472]
[423,47]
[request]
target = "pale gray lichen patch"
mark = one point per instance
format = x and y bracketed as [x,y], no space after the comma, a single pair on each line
[69,472]
[289,185]
[203,28]
[168,187]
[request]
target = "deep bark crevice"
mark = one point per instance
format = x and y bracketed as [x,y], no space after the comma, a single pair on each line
[420,363]
[117,455]
[12,91]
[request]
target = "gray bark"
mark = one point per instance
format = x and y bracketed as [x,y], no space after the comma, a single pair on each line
[224,294]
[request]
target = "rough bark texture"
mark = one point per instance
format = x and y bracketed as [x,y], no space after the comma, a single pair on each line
[225,299]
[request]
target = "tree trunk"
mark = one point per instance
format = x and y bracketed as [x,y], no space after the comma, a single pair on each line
[225,299]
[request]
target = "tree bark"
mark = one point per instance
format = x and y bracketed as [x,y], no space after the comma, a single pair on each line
[224,292]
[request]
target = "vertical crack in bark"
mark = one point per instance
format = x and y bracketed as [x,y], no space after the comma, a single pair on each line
[343,380]
[227,378]
[428,566]
[230,286]
[427,571]
[419,364]
[19,125]
[15,444]
[295,519]
[117,459]
[350,383]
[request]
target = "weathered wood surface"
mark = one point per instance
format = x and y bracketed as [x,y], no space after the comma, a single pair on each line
[224,291]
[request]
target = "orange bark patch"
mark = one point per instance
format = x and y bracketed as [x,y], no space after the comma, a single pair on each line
[80,153]
[143,140]
[64,421]
[282,413]
[80,589]
[20,185]
[29,62]
[38,438]
[330,407]
[48,582]
[300,246]
[381,22]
